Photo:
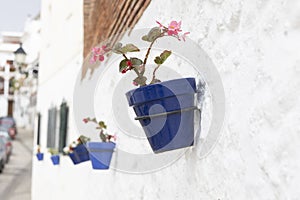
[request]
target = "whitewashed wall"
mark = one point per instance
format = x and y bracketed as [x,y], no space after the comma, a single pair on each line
[255,46]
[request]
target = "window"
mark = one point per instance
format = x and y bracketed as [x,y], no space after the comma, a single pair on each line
[63,126]
[51,133]
[38,129]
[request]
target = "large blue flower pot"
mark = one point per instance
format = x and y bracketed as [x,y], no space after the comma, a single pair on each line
[40,156]
[166,112]
[79,155]
[100,154]
[55,159]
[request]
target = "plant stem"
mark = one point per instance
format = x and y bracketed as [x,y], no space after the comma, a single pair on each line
[136,71]
[125,56]
[147,54]
[153,74]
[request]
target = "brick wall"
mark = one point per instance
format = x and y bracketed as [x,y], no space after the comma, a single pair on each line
[105,18]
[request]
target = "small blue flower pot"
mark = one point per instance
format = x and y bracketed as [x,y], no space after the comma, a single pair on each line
[55,159]
[79,155]
[166,112]
[40,156]
[100,154]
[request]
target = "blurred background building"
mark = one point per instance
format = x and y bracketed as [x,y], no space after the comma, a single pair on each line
[253,158]
[9,43]
[18,81]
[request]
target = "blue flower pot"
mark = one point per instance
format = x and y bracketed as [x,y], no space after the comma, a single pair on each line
[100,154]
[79,155]
[166,112]
[40,156]
[55,159]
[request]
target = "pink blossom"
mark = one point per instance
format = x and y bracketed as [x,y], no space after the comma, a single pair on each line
[184,35]
[104,47]
[135,83]
[98,54]
[101,57]
[174,28]
[93,59]
[96,50]
[114,137]
[85,120]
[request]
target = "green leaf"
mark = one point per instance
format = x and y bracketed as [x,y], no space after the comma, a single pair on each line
[83,139]
[155,81]
[122,65]
[141,80]
[162,57]
[102,124]
[53,151]
[117,47]
[145,38]
[136,62]
[153,34]
[129,48]
[158,60]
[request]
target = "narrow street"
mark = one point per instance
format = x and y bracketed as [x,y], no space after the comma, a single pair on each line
[15,181]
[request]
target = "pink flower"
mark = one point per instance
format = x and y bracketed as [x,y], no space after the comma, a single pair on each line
[135,83]
[114,137]
[96,50]
[174,28]
[85,120]
[98,54]
[93,59]
[184,35]
[101,57]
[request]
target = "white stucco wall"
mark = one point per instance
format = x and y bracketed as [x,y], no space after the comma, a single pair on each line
[255,46]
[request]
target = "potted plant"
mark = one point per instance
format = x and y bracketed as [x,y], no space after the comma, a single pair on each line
[169,102]
[101,152]
[39,155]
[54,156]
[77,150]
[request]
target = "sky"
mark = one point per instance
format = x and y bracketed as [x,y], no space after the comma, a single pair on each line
[13,13]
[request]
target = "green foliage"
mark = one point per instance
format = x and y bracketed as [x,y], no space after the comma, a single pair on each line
[102,124]
[141,80]
[122,65]
[136,62]
[103,137]
[153,34]
[119,49]
[83,139]
[162,57]
[53,151]
[155,81]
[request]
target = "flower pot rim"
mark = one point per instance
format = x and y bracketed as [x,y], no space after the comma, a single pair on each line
[100,145]
[145,93]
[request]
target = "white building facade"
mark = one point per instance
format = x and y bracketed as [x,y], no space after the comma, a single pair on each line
[9,43]
[255,48]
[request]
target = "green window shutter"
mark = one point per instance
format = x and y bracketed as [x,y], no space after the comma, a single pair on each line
[51,133]
[63,126]
[38,129]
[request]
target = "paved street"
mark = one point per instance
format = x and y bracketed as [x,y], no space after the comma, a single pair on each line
[15,181]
